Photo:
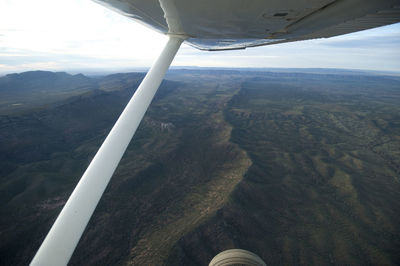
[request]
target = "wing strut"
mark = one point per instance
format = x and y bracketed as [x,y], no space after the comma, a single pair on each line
[60,242]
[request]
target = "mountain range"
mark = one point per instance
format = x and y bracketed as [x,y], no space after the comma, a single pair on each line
[299,168]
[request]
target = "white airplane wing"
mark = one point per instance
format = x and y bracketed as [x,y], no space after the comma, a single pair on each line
[237,24]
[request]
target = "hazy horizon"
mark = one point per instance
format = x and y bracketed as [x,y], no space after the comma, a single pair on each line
[105,71]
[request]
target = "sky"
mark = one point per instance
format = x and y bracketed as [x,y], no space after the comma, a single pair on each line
[74,35]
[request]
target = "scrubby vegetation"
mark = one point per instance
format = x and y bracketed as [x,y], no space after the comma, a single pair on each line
[302,169]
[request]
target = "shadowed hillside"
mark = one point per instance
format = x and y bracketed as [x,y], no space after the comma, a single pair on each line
[31,89]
